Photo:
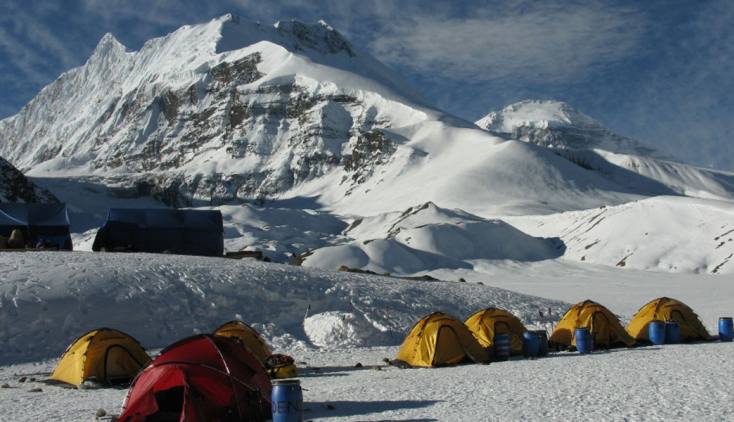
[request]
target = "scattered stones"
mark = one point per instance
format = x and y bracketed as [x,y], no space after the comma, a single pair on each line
[358,365]
[100,413]
[35,390]
[6,385]
[22,379]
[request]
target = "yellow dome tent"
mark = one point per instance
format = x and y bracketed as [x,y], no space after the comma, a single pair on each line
[484,324]
[247,336]
[103,355]
[604,327]
[664,309]
[440,340]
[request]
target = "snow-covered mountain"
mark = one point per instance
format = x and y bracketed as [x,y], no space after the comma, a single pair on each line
[15,187]
[588,143]
[230,110]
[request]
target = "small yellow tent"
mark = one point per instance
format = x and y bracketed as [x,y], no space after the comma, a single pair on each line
[103,355]
[486,323]
[247,336]
[440,340]
[664,309]
[605,328]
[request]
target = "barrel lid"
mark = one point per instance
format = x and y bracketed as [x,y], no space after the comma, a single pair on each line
[286,381]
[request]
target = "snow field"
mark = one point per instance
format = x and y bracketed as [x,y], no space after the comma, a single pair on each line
[47,299]
[669,383]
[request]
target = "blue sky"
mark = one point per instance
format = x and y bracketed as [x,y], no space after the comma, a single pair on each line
[659,71]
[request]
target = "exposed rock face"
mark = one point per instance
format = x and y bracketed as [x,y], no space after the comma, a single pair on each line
[15,187]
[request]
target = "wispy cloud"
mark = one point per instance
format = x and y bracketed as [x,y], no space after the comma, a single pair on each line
[545,42]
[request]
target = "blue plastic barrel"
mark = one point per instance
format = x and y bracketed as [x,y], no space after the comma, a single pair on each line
[584,342]
[287,400]
[672,332]
[656,332]
[502,347]
[726,329]
[543,339]
[530,344]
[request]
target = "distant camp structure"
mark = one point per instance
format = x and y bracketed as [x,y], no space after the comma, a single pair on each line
[186,232]
[200,378]
[605,329]
[486,323]
[38,226]
[247,336]
[104,356]
[440,340]
[667,309]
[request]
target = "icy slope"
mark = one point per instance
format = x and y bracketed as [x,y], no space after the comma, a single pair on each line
[673,234]
[15,187]
[48,299]
[428,237]
[587,143]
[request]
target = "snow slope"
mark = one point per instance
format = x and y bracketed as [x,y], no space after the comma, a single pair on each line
[674,234]
[586,142]
[48,299]
[427,237]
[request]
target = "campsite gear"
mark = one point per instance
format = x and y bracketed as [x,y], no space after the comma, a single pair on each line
[664,309]
[656,332]
[27,224]
[672,332]
[162,230]
[485,323]
[281,366]
[200,378]
[247,336]
[287,401]
[104,356]
[726,329]
[584,340]
[439,339]
[543,342]
[604,327]
[530,344]
[502,347]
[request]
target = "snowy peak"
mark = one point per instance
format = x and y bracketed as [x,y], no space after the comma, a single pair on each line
[535,113]
[556,124]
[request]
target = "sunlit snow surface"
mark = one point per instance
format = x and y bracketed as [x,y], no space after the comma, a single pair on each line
[47,299]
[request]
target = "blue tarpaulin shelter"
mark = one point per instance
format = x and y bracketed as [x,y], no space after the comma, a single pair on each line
[44,224]
[187,232]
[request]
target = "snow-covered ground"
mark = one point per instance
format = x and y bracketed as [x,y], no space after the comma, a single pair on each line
[672,382]
[46,299]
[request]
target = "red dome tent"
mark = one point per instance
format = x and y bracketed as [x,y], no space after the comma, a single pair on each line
[200,378]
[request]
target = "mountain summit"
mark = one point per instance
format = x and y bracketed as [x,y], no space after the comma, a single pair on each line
[556,124]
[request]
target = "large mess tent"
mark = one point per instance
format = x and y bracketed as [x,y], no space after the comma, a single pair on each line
[440,340]
[604,327]
[486,323]
[42,225]
[164,230]
[667,309]
[198,379]
[247,336]
[104,356]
